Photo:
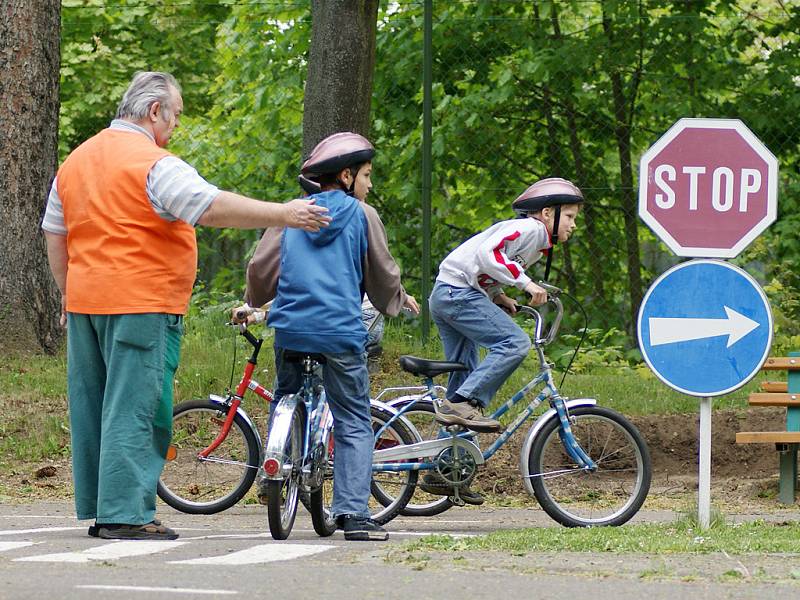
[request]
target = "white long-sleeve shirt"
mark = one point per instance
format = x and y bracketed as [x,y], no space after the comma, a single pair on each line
[496,257]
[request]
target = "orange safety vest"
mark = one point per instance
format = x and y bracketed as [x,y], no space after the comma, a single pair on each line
[123,257]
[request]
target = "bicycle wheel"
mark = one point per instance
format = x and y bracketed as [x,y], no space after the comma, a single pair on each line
[321,499]
[207,485]
[282,495]
[609,496]
[423,417]
[397,485]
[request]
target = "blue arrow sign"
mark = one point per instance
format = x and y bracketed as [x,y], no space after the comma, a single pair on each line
[705,327]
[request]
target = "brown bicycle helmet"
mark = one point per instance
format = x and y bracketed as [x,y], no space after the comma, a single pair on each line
[331,155]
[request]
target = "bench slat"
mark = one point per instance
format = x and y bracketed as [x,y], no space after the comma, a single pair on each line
[782,363]
[774,386]
[773,399]
[768,437]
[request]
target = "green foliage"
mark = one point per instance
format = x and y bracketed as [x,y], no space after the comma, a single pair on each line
[103,44]
[522,90]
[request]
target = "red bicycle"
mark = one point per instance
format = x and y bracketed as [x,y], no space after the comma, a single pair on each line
[216,448]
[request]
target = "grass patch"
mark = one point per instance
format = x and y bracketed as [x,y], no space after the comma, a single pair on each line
[207,362]
[35,424]
[673,538]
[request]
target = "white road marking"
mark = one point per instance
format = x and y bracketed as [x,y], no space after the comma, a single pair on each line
[262,553]
[133,588]
[426,533]
[235,536]
[37,517]
[4,546]
[39,530]
[111,551]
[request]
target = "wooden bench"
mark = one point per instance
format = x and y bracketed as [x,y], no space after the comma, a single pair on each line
[786,394]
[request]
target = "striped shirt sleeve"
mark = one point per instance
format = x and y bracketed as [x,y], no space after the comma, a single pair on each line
[177,191]
[53,221]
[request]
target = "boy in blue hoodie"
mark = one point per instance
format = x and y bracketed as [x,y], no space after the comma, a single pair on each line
[318,281]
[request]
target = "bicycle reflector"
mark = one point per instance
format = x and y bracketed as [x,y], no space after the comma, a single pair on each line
[271,467]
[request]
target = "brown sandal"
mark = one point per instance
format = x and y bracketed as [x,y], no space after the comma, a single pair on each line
[94,530]
[149,531]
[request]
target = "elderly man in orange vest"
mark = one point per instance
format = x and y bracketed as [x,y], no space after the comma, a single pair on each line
[120,238]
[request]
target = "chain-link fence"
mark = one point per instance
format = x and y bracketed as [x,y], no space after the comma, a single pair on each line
[520,90]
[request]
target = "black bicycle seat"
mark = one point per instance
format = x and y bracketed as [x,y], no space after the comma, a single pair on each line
[429,368]
[294,356]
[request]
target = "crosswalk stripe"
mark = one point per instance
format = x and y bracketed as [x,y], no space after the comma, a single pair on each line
[135,588]
[4,546]
[38,530]
[261,553]
[111,551]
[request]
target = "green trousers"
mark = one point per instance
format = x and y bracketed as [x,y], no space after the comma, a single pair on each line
[120,370]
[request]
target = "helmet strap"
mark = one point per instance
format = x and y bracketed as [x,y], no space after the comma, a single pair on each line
[553,241]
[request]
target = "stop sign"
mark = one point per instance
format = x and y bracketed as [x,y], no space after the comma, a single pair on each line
[708,187]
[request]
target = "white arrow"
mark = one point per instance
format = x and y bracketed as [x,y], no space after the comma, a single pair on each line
[669,331]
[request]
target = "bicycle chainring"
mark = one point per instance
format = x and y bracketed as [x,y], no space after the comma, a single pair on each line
[458,469]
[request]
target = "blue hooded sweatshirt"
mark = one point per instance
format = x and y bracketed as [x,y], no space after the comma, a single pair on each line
[318,303]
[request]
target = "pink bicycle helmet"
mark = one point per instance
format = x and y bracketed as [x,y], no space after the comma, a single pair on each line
[552,191]
[331,155]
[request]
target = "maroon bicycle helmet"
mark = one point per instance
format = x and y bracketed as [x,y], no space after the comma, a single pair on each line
[552,191]
[331,155]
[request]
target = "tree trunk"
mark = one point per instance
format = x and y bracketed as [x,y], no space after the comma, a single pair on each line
[340,68]
[623,108]
[29,74]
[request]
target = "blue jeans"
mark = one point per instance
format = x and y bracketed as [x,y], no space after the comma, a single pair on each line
[466,319]
[347,388]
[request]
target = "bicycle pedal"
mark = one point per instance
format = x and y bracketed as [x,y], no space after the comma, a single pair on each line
[457,501]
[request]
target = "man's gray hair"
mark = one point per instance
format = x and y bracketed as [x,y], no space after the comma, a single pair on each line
[145,88]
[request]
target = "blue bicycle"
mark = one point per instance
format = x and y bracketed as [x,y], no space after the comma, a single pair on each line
[586,465]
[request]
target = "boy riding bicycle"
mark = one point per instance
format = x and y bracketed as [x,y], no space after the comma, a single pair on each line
[317,282]
[470,308]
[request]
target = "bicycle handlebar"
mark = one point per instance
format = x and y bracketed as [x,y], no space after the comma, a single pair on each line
[552,298]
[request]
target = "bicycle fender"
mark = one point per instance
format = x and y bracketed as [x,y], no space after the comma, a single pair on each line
[394,411]
[534,431]
[279,431]
[219,400]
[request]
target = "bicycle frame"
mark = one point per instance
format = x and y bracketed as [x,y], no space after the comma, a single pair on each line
[232,401]
[316,427]
[464,440]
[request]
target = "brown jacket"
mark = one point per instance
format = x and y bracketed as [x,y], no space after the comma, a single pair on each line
[381,273]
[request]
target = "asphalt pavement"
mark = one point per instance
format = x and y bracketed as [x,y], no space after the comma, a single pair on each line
[46,553]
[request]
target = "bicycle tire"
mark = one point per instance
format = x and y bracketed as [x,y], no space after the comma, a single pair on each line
[282,495]
[609,496]
[423,417]
[403,482]
[203,486]
[320,500]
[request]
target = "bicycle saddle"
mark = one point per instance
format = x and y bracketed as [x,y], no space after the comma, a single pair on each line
[429,368]
[294,356]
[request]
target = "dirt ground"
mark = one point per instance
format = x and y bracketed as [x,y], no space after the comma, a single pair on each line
[743,476]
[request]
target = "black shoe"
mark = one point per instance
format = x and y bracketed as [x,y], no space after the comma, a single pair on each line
[148,531]
[94,530]
[433,483]
[361,529]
